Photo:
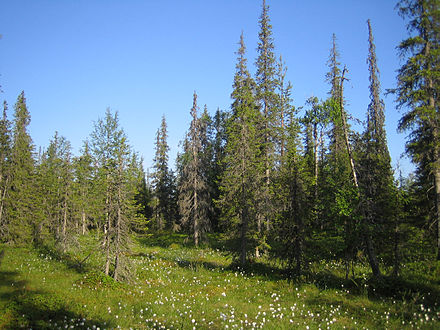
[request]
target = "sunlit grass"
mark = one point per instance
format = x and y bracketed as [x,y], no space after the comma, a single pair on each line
[175,285]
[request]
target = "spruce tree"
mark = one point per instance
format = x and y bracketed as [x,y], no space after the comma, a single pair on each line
[267,98]
[376,176]
[111,153]
[217,165]
[418,87]
[242,175]
[5,155]
[163,181]
[56,177]
[292,193]
[21,200]
[334,78]
[194,196]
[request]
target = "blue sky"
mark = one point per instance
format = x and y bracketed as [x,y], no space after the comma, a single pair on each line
[144,59]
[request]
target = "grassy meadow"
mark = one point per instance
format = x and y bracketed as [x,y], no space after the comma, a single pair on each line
[176,286]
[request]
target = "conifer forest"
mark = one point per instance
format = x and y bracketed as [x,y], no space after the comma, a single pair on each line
[274,215]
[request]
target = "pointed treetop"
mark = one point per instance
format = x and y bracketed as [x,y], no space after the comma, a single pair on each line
[194,107]
[375,114]
[334,75]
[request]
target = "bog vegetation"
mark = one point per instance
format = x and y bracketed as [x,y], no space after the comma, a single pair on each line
[273,217]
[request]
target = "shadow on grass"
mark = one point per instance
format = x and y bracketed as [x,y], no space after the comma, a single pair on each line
[176,240]
[67,259]
[165,240]
[412,291]
[28,308]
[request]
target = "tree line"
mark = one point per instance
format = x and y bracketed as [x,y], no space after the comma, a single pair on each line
[272,179]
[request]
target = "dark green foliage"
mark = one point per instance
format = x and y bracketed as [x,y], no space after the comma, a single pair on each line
[296,212]
[143,197]
[86,206]
[267,99]
[339,175]
[163,182]
[418,87]
[378,201]
[22,199]
[215,174]
[242,176]
[5,175]
[56,178]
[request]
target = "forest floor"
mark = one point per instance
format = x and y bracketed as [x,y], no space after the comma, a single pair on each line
[176,286]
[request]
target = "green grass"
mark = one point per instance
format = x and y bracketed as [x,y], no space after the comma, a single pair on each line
[177,286]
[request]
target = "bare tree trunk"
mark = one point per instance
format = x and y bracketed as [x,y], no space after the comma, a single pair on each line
[107,231]
[372,258]
[118,237]
[344,127]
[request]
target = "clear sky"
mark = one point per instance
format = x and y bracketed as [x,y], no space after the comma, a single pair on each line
[144,59]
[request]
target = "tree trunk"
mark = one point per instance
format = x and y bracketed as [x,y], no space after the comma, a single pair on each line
[437,200]
[83,221]
[315,158]
[396,266]
[107,253]
[64,230]
[196,210]
[118,238]
[107,230]
[243,237]
[374,264]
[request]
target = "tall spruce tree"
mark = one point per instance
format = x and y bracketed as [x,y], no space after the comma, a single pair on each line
[218,153]
[21,200]
[5,155]
[162,180]
[334,78]
[242,175]
[376,176]
[267,98]
[418,90]
[194,195]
